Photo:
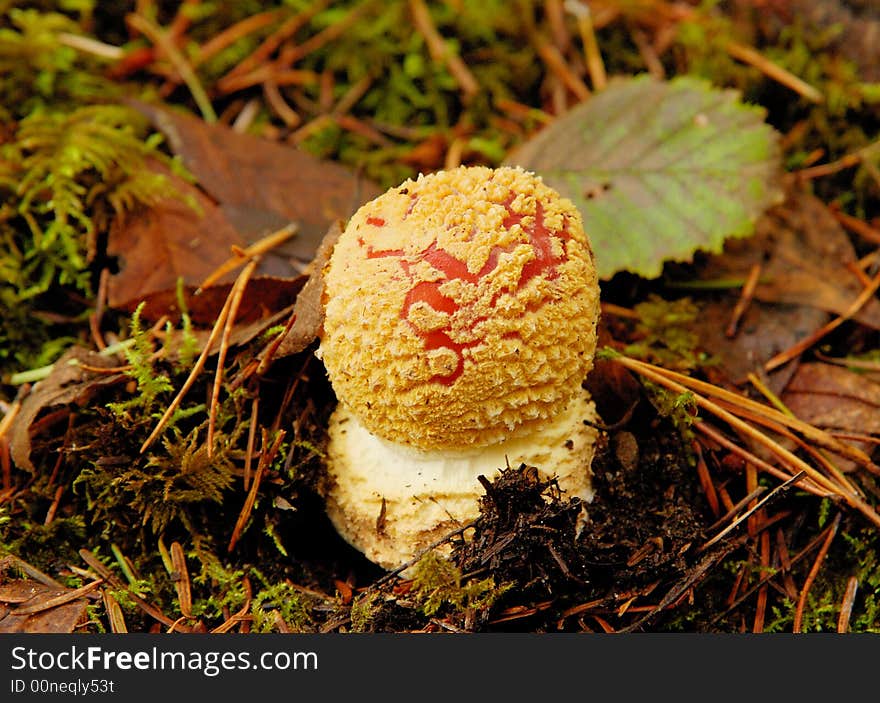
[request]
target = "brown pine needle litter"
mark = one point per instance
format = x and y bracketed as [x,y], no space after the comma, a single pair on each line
[735,407]
[802,346]
[235,298]
[814,571]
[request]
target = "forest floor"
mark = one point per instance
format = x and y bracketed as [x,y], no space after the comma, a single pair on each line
[168,172]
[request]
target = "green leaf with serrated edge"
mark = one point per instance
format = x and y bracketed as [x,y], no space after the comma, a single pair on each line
[659,169]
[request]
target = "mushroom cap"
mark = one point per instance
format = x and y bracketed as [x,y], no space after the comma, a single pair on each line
[460,308]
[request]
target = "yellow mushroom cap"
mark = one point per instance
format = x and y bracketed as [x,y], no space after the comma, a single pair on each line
[460,308]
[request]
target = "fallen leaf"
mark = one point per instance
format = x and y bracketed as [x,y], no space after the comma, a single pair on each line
[262,185]
[804,253]
[614,389]
[67,383]
[167,242]
[764,331]
[309,307]
[30,595]
[247,188]
[835,398]
[659,170]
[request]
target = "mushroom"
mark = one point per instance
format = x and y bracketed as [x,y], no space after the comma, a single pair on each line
[460,324]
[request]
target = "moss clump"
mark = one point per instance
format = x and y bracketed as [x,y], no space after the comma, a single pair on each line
[439,585]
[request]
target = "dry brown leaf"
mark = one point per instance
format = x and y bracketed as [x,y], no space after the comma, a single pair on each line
[262,185]
[29,594]
[833,397]
[247,188]
[309,307]
[67,383]
[805,255]
[171,240]
[764,330]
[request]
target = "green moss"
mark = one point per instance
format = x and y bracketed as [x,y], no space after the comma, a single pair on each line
[285,600]
[667,334]
[439,585]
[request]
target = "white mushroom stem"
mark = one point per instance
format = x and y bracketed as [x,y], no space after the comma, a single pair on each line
[427,494]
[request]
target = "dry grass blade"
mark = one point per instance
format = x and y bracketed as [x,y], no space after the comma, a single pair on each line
[748,293]
[833,471]
[440,51]
[592,55]
[232,34]
[846,605]
[270,241]
[9,417]
[748,55]
[735,603]
[160,39]
[194,374]
[745,516]
[557,65]
[267,454]
[814,571]
[96,565]
[242,614]
[14,562]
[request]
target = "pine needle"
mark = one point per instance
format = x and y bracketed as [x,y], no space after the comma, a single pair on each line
[814,571]
[235,298]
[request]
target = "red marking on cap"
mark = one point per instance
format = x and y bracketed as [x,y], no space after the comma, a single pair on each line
[376,221]
[544,264]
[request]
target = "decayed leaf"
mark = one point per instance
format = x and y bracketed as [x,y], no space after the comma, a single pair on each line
[247,188]
[262,185]
[764,331]
[659,170]
[835,398]
[168,241]
[69,382]
[22,608]
[309,307]
[805,256]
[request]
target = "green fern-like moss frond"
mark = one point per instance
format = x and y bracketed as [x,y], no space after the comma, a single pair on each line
[63,168]
[38,69]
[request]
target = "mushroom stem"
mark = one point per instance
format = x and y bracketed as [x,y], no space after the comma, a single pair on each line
[391,501]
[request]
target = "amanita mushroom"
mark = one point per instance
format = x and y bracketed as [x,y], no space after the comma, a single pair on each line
[460,324]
